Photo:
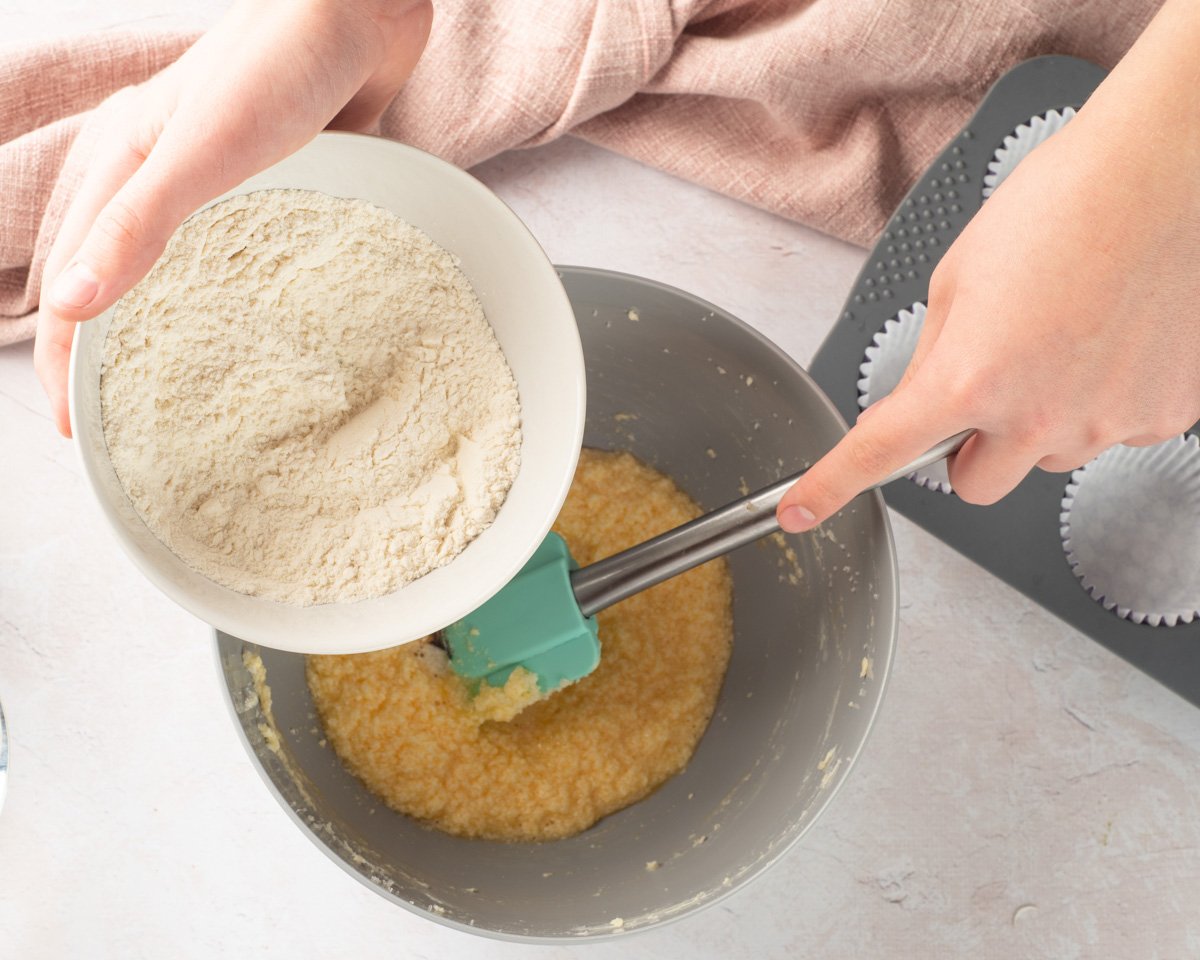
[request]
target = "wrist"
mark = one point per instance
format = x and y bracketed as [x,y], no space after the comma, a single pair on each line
[1141,127]
[1149,97]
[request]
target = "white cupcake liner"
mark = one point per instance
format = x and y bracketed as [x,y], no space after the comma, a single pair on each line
[1020,143]
[884,366]
[1131,530]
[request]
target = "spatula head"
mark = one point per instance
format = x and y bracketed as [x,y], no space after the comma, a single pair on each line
[533,622]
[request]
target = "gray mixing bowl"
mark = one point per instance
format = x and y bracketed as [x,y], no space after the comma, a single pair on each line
[701,396]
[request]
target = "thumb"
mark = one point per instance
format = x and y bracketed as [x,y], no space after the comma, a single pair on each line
[895,434]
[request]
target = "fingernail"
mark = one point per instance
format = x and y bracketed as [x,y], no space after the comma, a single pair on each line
[797,519]
[76,286]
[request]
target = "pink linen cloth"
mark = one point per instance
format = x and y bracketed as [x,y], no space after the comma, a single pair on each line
[822,111]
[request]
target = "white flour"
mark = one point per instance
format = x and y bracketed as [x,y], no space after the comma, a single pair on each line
[305,402]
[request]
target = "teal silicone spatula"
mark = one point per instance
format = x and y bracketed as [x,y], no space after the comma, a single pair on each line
[544,619]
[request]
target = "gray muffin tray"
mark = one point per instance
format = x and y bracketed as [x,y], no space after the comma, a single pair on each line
[1017,539]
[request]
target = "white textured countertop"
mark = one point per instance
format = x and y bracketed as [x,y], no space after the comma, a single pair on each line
[1025,793]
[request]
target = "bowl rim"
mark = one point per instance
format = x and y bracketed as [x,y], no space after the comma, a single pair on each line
[467,595]
[888,617]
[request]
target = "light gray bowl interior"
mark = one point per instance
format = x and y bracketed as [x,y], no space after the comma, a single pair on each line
[702,397]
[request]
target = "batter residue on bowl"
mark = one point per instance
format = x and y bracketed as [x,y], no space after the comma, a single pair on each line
[404,724]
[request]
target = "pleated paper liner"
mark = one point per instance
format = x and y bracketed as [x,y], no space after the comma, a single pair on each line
[1131,530]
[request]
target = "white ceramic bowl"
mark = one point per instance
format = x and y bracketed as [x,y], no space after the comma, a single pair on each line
[524,300]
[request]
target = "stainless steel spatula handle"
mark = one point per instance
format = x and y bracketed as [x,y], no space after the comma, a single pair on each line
[734,525]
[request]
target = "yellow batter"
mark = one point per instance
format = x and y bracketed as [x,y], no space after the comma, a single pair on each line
[404,724]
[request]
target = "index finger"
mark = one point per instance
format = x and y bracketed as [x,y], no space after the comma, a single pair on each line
[901,430]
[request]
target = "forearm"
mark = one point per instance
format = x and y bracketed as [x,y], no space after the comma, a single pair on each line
[1152,97]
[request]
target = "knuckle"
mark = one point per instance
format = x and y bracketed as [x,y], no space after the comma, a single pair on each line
[1027,437]
[966,391]
[122,225]
[971,489]
[1032,432]
[941,283]
[869,455]
[1099,433]
[138,144]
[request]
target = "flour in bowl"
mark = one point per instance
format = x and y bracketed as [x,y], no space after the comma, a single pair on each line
[305,401]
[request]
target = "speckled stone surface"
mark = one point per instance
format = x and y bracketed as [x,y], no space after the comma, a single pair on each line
[1025,793]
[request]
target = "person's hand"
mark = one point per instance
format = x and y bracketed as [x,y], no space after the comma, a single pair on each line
[1064,319]
[252,90]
